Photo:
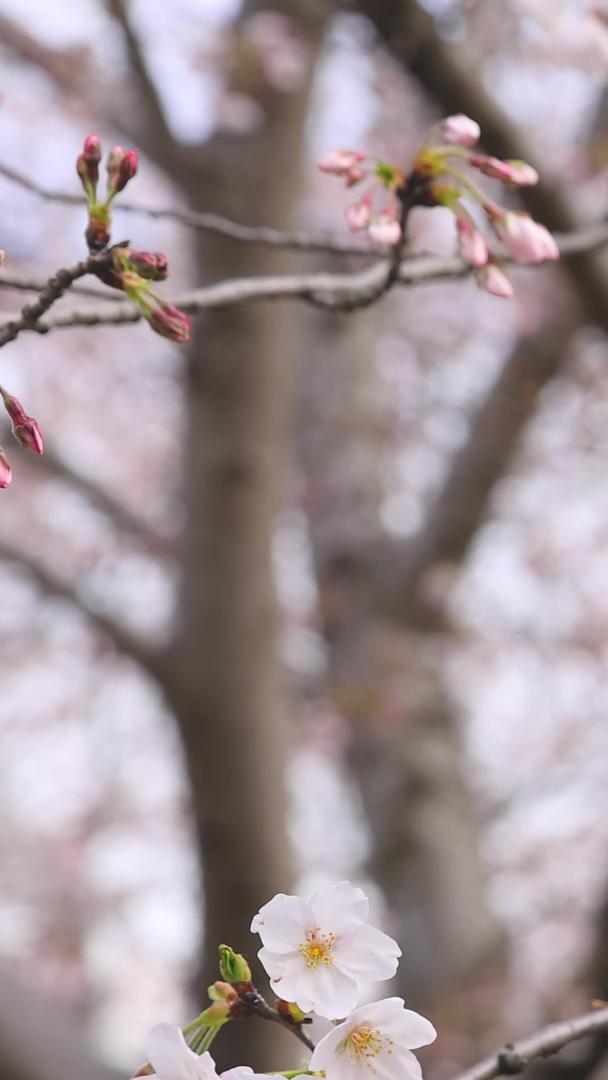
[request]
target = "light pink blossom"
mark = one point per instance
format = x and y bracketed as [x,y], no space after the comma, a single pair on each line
[508,172]
[525,239]
[385,230]
[471,243]
[172,1059]
[358,214]
[6,474]
[460,129]
[494,280]
[341,162]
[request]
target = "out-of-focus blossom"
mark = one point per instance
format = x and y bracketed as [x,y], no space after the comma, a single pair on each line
[317,953]
[6,474]
[494,280]
[172,1059]
[25,429]
[358,214]
[518,173]
[471,243]
[375,1040]
[525,239]
[342,163]
[385,230]
[460,129]
[169,321]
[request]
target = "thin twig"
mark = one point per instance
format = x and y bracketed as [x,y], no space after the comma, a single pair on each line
[55,287]
[256,1005]
[37,284]
[296,240]
[513,1058]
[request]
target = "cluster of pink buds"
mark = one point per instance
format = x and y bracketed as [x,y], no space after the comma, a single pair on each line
[133,273]
[437,179]
[24,429]
[377,210]
[121,166]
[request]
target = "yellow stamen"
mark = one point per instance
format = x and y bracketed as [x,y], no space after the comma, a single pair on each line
[317,948]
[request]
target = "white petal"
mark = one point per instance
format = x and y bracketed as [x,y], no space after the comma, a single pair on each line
[282,922]
[166,1050]
[367,954]
[325,1050]
[273,963]
[334,994]
[401,1065]
[412,1031]
[205,1067]
[240,1072]
[379,1013]
[339,908]
[296,984]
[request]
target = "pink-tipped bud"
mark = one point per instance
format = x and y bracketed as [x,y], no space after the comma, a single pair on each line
[151,265]
[343,163]
[385,229]
[25,428]
[460,130]
[494,280]
[515,173]
[170,322]
[121,166]
[471,243]
[524,238]
[6,474]
[128,169]
[358,215]
[87,164]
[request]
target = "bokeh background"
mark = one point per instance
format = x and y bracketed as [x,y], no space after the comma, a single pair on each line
[321,595]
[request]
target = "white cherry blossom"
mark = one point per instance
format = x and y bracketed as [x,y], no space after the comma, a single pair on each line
[172,1059]
[376,1041]
[317,953]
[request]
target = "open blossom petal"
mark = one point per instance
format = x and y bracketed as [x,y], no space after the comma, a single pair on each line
[460,129]
[358,214]
[282,923]
[317,953]
[172,1059]
[376,1038]
[368,955]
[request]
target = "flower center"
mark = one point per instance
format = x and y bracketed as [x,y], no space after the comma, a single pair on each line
[364,1043]
[317,948]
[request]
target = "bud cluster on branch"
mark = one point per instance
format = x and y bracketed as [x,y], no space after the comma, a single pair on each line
[437,179]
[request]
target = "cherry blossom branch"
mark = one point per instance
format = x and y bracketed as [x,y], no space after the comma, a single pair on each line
[55,287]
[514,1058]
[297,240]
[255,1004]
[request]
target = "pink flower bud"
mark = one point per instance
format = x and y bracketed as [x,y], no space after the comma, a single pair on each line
[494,281]
[152,265]
[121,166]
[518,173]
[460,129]
[25,428]
[6,474]
[358,214]
[170,322]
[87,164]
[341,162]
[471,243]
[385,229]
[524,238]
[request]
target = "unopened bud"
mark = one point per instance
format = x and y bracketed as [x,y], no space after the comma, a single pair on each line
[172,323]
[25,429]
[233,966]
[6,474]
[121,167]
[87,164]
[97,233]
[222,991]
[152,265]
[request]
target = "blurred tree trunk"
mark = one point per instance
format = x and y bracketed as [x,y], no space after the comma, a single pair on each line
[227,691]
